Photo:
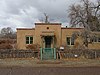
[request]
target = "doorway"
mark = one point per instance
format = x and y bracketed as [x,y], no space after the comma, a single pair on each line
[48,40]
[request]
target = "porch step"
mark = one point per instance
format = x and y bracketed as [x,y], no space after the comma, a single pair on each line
[49,62]
[47,54]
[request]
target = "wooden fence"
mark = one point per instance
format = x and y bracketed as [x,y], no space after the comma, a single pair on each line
[70,53]
[18,54]
[76,53]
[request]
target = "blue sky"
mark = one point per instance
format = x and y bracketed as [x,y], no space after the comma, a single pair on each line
[24,13]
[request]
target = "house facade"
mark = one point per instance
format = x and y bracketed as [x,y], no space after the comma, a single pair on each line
[50,35]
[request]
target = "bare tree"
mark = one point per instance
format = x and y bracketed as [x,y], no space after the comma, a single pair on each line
[86,14]
[7,38]
[46,18]
[86,37]
[8,33]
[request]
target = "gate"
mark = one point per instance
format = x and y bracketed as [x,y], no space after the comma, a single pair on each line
[48,53]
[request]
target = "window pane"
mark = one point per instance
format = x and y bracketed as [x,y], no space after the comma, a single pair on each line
[72,41]
[95,39]
[99,39]
[31,38]
[27,38]
[27,42]
[68,40]
[31,42]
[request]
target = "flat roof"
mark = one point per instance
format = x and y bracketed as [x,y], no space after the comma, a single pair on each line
[25,28]
[34,28]
[47,23]
[71,28]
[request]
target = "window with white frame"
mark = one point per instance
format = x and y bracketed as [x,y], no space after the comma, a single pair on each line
[29,39]
[70,41]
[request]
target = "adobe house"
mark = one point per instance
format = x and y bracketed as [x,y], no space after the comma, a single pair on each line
[50,35]
[47,35]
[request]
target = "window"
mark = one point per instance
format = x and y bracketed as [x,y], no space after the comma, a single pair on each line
[29,40]
[96,39]
[70,41]
[99,39]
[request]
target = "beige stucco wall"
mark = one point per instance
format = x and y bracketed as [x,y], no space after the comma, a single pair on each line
[67,32]
[21,34]
[36,33]
[55,28]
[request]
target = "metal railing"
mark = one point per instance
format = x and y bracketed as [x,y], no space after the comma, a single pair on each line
[48,53]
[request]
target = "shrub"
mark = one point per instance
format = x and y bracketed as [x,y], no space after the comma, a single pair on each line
[33,46]
[5,46]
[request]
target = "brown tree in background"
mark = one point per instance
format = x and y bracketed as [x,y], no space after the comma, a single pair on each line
[86,15]
[86,37]
[6,44]
[7,38]
[8,33]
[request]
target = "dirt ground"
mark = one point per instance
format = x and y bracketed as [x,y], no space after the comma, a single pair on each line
[33,66]
[32,62]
